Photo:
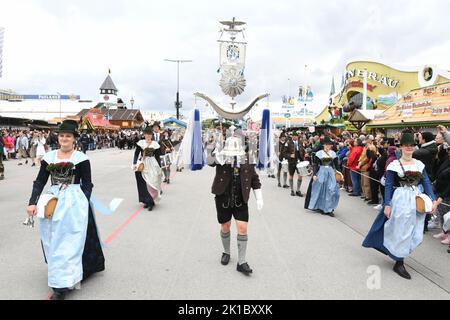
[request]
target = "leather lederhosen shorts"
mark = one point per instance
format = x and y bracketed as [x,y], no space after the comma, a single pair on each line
[225,211]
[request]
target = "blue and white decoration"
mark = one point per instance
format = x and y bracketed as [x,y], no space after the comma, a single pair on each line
[265,141]
[192,150]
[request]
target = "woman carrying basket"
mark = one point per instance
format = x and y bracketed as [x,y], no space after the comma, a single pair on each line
[68,230]
[398,229]
[147,170]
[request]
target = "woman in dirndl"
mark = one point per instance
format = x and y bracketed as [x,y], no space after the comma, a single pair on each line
[69,235]
[324,191]
[398,229]
[147,170]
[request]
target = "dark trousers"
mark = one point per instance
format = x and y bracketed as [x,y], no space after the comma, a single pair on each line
[374,186]
[347,180]
[2,168]
[427,219]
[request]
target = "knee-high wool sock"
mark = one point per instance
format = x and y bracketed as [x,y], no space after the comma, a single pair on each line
[242,248]
[226,241]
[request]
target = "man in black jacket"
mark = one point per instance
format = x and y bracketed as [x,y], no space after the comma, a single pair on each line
[282,155]
[84,141]
[427,152]
[295,154]
[377,172]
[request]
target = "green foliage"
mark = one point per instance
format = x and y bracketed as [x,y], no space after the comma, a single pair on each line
[61,167]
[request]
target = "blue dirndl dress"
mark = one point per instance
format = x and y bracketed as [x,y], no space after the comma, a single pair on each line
[402,233]
[325,192]
[70,238]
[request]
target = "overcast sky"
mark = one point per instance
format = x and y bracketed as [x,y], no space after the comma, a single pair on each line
[68,46]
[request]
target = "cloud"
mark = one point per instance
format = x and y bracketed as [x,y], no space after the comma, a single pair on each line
[68,46]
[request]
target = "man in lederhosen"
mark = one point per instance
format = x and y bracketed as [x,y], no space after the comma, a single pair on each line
[296,154]
[282,155]
[232,185]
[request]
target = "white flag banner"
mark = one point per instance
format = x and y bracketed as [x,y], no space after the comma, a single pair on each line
[2,32]
[232,54]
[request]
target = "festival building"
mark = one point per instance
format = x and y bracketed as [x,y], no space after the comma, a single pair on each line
[385,84]
[387,87]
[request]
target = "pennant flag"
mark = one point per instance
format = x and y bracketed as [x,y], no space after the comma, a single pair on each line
[264,141]
[197,152]
[2,32]
[192,153]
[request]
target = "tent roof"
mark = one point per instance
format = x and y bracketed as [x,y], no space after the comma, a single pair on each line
[117,114]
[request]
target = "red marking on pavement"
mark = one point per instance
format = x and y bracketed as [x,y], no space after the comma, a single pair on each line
[123,225]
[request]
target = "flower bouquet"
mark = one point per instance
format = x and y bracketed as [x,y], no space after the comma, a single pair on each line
[61,173]
[60,167]
[412,176]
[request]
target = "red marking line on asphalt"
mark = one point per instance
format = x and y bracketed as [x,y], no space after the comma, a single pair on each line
[123,225]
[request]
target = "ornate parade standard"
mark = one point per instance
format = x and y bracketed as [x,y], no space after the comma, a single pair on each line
[232,65]
[235,172]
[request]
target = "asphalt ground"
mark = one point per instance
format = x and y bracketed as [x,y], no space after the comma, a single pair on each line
[174,251]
